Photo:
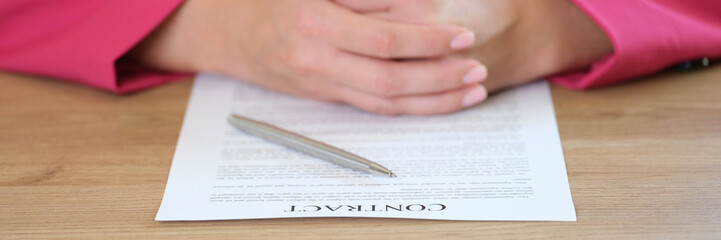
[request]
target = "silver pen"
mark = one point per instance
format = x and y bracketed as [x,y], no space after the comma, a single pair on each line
[309,146]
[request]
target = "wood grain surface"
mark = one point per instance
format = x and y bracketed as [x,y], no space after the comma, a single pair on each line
[643,158]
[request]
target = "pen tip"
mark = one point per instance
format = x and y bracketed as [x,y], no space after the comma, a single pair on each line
[393,175]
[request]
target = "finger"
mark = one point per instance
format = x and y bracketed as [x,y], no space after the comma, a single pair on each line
[366,5]
[389,11]
[392,40]
[392,78]
[430,104]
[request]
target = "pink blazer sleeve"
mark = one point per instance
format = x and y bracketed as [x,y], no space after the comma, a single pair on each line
[648,36]
[81,40]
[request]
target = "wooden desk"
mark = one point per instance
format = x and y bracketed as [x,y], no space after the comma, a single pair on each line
[644,162]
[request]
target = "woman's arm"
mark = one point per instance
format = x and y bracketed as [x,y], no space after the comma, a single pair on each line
[82,40]
[319,50]
[648,36]
[313,48]
[578,44]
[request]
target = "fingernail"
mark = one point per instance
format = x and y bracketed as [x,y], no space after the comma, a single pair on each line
[463,40]
[473,97]
[476,75]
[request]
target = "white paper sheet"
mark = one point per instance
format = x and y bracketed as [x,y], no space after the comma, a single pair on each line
[501,160]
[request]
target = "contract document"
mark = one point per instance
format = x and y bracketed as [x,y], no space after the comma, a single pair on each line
[501,160]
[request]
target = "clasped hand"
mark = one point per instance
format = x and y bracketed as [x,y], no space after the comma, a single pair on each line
[383,56]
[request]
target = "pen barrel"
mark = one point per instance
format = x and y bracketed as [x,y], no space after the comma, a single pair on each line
[308,146]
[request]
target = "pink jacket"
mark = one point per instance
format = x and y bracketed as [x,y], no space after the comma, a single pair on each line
[84,41]
[648,36]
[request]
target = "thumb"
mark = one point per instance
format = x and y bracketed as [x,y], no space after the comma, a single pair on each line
[420,12]
[367,6]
